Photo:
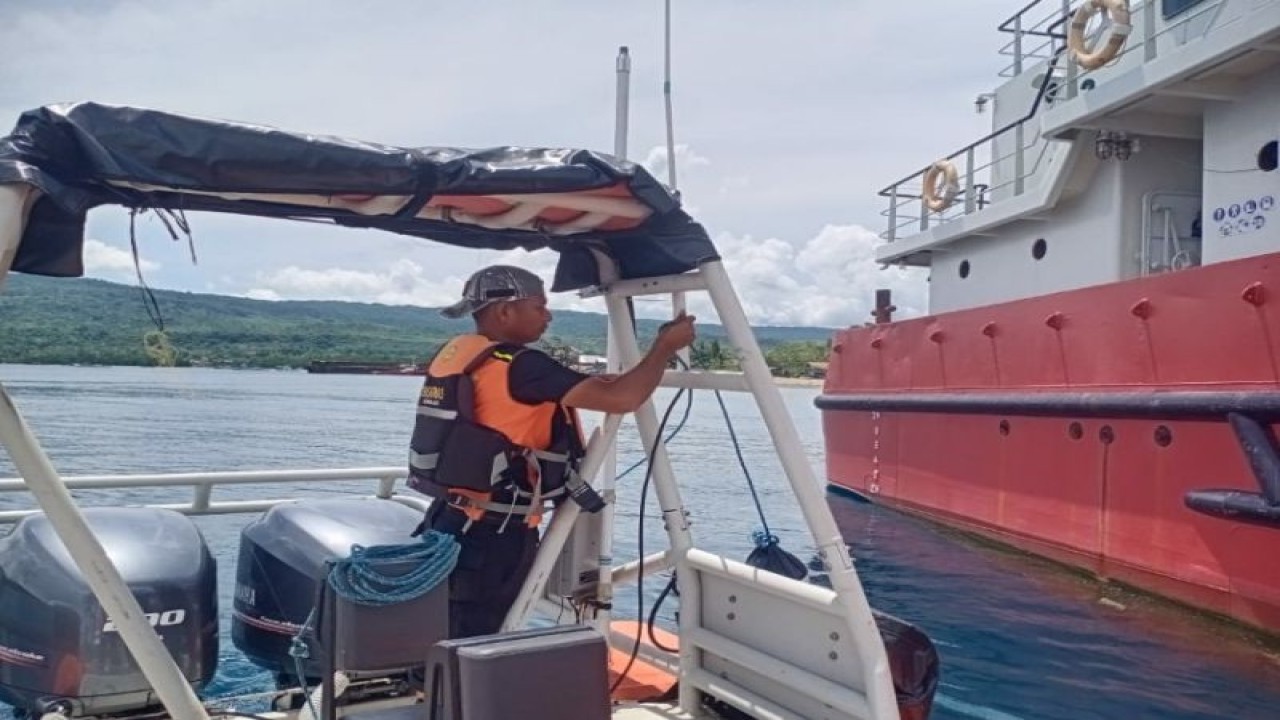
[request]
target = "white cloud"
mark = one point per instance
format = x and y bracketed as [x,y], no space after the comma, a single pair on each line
[828,281]
[686,159]
[107,261]
[404,282]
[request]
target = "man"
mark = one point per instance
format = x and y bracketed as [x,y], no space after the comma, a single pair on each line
[497,435]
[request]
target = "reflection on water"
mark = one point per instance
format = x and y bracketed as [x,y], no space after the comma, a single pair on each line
[1018,638]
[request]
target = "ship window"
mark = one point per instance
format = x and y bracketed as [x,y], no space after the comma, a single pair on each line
[1039,248]
[1267,157]
[1174,8]
[964,268]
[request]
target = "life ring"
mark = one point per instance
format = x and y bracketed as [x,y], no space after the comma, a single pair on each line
[1109,47]
[938,197]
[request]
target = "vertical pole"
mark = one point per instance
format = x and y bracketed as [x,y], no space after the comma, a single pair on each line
[970,197]
[1149,31]
[104,579]
[15,202]
[674,517]
[557,533]
[608,483]
[1072,68]
[808,493]
[1017,45]
[666,94]
[893,215]
[1019,158]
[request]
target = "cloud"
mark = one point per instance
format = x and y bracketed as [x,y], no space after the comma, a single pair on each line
[105,261]
[403,282]
[686,159]
[829,281]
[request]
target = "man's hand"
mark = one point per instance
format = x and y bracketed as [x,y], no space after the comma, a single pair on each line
[676,334]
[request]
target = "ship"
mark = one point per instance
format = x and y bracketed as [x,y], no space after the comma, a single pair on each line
[1096,378]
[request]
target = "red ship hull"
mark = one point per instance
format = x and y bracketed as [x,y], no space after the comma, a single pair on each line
[1104,493]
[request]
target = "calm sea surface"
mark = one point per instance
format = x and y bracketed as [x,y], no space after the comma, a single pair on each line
[1018,638]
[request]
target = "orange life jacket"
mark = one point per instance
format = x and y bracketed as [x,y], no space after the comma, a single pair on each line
[483,450]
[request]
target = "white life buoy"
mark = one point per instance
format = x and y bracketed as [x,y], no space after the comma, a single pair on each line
[1108,47]
[940,186]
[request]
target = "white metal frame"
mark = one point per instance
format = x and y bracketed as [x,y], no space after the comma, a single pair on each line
[846,597]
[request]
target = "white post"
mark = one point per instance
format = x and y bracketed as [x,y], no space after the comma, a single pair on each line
[15,202]
[809,494]
[122,607]
[674,517]
[553,540]
[609,471]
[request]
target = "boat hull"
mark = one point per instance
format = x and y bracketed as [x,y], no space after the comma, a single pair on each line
[1098,488]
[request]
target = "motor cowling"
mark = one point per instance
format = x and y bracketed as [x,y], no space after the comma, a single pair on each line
[58,649]
[284,557]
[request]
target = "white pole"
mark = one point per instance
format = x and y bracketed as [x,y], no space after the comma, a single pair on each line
[666,93]
[809,494]
[609,472]
[122,607]
[558,530]
[674,517]
[15,202]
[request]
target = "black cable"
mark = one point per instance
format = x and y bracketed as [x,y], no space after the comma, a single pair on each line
[653,616]
[737,449]
[644,493]
[148,297]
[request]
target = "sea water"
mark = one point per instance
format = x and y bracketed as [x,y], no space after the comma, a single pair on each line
[1018,638]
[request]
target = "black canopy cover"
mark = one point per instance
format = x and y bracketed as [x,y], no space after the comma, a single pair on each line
[84,155]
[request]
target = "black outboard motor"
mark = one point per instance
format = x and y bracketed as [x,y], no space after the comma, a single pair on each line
[58,650]
[282,564]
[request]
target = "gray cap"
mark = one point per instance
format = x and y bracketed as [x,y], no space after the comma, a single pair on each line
[496,283]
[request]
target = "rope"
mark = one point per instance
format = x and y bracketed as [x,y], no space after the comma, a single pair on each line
[737,449]
[360,577]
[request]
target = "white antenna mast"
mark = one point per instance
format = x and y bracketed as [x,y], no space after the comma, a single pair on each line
[666,94]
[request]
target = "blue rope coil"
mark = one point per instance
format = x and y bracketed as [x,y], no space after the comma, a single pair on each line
[360,577]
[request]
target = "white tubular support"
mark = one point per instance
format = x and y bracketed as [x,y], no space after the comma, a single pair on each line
[674,517]
[652,563]
[103,578]
[15,203]
[809,494]
[664,285]
[558,530]
[609,471]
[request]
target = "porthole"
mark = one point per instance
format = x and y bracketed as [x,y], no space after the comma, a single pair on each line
[964,269]
[1039,248]
[1267,157]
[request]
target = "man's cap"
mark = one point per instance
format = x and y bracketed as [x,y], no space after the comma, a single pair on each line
[496,283]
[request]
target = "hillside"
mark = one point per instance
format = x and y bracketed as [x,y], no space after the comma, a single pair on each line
[85,321]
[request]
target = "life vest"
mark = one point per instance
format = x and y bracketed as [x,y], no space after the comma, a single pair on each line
[481,449]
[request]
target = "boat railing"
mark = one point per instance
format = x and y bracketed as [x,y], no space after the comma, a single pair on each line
[202,484]
[1038,30]
[1038,45]
[986,173]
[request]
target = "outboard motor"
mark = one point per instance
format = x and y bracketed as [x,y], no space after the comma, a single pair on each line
[58,650]
[282,565]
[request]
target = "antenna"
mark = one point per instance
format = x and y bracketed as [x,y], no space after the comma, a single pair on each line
[623,103]
[666,93]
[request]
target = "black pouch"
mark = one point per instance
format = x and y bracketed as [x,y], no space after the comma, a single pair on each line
[467,460]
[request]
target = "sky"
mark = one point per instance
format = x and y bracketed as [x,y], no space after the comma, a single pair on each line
[789,117]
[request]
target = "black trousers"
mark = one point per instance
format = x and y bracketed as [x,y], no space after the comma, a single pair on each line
[492,566]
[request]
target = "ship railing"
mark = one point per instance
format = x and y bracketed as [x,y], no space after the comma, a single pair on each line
[985,176]
[201,485]
[1038,30]
[996,167]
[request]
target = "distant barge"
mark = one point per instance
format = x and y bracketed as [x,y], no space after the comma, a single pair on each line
[366,368]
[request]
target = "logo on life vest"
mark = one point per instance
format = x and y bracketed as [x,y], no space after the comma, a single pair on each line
[433,394]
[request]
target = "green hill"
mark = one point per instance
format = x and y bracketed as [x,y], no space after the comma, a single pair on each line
[85,321]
